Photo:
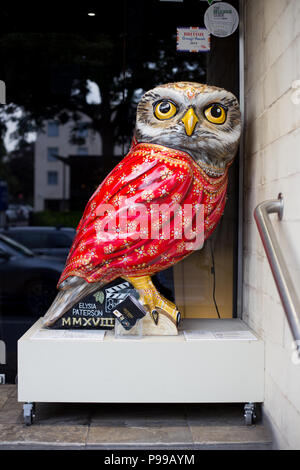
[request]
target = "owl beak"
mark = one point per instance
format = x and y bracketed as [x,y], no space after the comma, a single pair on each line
[190,120]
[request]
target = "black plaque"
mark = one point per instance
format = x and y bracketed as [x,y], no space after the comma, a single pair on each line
[129,311]
[95,311]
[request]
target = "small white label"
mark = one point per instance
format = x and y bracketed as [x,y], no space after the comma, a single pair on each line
[243,334]
[43,334]
[219,335]
[198,335]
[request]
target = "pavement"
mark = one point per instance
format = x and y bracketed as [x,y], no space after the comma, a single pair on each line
[128,426]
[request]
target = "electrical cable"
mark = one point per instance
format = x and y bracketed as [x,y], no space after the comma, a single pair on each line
[213,272]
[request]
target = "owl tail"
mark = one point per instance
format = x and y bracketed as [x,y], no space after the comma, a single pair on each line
[72,290]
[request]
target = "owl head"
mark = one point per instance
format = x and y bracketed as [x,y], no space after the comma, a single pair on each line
[202,120]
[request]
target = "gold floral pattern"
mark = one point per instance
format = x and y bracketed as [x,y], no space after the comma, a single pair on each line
[96,256]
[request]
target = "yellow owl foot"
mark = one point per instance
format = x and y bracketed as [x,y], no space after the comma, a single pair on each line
[155,302]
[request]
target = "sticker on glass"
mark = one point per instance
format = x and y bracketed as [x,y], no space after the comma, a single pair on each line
[221,19]
[193,39]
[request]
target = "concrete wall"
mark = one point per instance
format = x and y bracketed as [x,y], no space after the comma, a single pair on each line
[272,165]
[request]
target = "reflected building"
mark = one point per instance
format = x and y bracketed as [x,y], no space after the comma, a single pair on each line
[55,154]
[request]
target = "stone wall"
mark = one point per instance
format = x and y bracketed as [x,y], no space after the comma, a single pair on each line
[272,165]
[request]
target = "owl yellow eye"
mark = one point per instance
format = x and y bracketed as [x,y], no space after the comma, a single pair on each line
[165,109]
[216,114]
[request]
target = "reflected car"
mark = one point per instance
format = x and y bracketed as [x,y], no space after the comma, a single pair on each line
[17,213]
[27,281]
[51,241]
[11,214]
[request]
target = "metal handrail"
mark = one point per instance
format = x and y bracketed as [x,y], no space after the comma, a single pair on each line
[285,287]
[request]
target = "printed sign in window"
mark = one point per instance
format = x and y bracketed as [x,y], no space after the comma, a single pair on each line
[193,39]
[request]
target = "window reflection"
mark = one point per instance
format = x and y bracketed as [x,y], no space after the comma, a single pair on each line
[73,94]
[53,128]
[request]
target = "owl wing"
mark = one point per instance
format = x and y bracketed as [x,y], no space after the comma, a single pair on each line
[106,247]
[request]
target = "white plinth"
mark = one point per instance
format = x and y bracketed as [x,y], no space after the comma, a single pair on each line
[222,369]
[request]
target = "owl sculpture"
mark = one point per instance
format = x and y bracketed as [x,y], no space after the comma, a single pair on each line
[185,139]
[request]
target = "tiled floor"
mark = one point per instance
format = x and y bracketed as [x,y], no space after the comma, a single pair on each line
[122,426]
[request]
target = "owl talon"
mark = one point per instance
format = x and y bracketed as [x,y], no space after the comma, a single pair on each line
[155,316]
[154,301]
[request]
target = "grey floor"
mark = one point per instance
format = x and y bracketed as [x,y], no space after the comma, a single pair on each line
[127,426]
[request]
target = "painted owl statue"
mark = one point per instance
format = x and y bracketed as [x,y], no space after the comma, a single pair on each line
[159,203]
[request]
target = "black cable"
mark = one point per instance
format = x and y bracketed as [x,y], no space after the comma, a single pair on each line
[213,272]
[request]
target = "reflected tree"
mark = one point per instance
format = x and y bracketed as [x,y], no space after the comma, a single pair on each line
[49,76]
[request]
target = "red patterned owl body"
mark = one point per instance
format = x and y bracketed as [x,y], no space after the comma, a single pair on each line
[160,202]
[152,176]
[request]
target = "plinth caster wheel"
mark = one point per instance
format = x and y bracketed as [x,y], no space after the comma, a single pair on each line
[28,413]
[28,420]
[249,414]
